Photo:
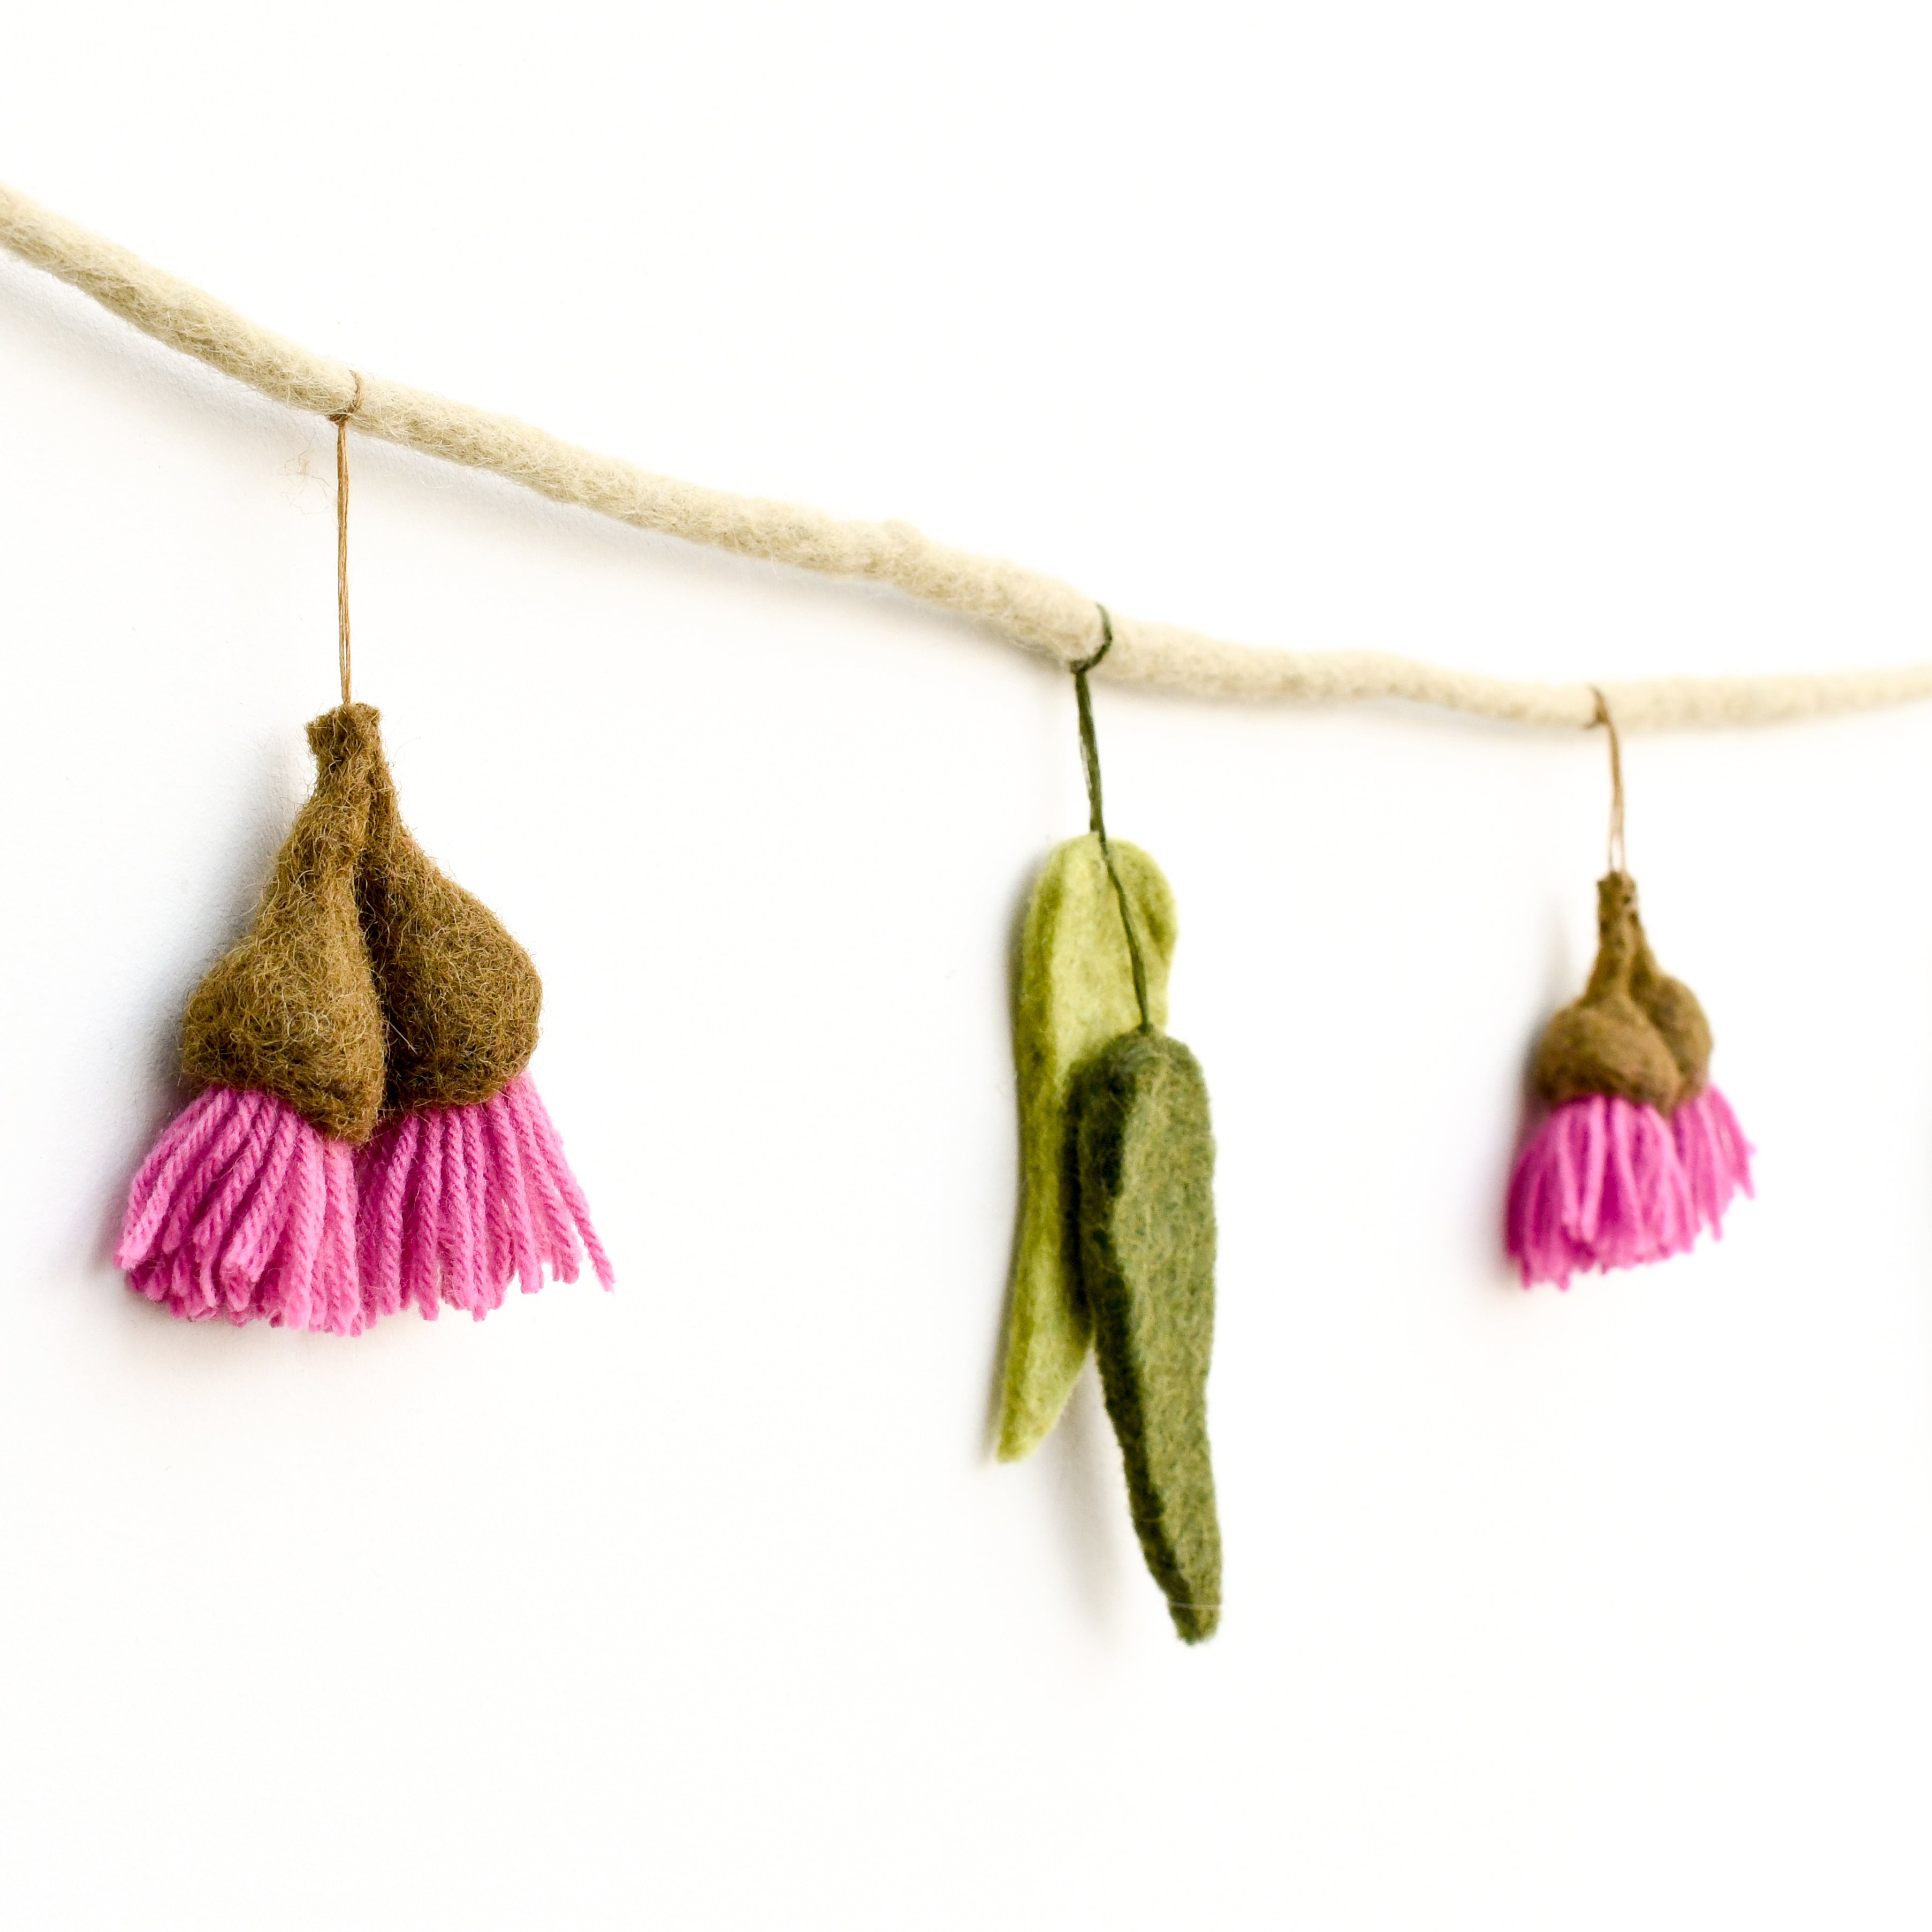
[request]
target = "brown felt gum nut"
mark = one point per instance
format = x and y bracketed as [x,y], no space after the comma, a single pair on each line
[1672,1008]
[461,996]
[1605,1042]
[291,1010]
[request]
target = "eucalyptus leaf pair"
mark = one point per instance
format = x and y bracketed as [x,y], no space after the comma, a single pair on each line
[1116,1243]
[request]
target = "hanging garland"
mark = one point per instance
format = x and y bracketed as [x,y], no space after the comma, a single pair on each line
[365,1136]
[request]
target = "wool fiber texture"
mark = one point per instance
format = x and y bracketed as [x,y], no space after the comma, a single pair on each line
[1672,1008]
[370,983]
[1644,1049]
[1713,1152]
[1600,1185]
[1076,993]
[244,1213]
[461,996]
[293,1010]
[456,1202]
[1146,1219]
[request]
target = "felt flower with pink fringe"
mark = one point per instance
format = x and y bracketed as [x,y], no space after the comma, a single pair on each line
[1639,1152]
[367,1137]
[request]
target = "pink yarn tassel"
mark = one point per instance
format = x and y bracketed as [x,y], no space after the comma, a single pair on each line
[245,1213]
[1713,1154]
[457,1201]
[1600,1185]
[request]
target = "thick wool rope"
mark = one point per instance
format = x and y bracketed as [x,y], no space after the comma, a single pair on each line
[1029,609]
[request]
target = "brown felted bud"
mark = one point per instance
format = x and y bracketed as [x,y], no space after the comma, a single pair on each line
[1672,1008]
[291,1010]
[1605,1042]
[461,995]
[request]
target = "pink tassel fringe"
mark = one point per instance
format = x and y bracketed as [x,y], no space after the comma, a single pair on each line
[456,1202]
[1713,1154]
[1605,1183]
[243,1212]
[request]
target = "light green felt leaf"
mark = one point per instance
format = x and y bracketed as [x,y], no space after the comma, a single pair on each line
[1076,993]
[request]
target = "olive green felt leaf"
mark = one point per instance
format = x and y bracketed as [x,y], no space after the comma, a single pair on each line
[1146,1215]
[1076,992]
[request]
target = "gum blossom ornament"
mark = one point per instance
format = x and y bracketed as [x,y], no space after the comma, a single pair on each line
[366,1136]
[1639,1152]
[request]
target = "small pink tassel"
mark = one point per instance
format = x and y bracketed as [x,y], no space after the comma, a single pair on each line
[1600,1185]
[1713,1154]
[457,1201]
[244,1213]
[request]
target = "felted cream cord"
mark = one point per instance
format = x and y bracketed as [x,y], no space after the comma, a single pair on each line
[1035,611]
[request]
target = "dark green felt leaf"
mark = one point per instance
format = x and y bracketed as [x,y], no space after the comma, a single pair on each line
[1144,1158]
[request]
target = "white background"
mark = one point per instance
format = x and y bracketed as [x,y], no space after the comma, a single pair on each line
[1567,341]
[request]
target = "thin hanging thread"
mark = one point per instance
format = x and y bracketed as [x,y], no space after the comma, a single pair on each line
[341,422]
[1096,821]
[1609,724]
